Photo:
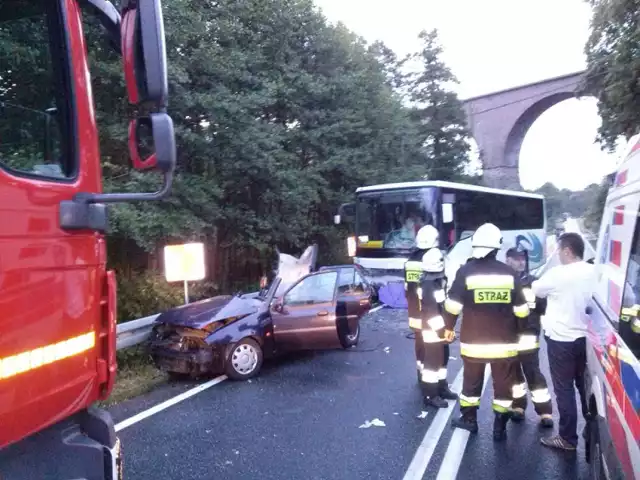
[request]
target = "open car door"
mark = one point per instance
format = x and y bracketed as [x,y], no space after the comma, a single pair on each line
[305,316]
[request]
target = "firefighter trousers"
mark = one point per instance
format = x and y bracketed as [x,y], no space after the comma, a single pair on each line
[432,360]
[503,372]
[528,372]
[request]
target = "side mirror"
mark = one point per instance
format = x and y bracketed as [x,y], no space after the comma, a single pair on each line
[447,213]
[144,52]
[347,211]
[157,129]
[278,306]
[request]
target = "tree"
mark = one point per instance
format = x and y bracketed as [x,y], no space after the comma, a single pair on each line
[613,67]
[438,112]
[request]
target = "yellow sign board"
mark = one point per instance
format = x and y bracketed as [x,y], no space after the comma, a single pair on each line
[184,263]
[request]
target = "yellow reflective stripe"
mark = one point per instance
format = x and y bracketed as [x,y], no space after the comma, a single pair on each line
[466,401]
[413,266]
[453,307]
[519,390]
[489,281]
[419,292]
[498,350]
[521,311]
[528,342]
[39,357]
[429,376]
[439,296]
[502,406]
[528,295]
[436,323]
[442,374]
[633,310]
[635,326]
[415,323]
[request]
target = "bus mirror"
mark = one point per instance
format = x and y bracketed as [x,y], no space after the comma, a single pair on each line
[144,52]
[447,213]
[336,219]
[152,143]
[346,211]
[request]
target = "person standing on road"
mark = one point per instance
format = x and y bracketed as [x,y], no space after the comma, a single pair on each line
[424,286]
[488,294]
[568,288]
[528,371]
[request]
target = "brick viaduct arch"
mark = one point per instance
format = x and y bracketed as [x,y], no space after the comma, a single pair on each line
[500,120]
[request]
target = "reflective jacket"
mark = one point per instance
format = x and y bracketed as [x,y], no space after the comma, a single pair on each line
[412,274]
[432,293]
[489,295]
[529,338]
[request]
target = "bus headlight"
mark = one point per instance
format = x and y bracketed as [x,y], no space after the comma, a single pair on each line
[351,246]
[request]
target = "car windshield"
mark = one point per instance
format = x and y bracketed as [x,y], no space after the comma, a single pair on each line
[391,219]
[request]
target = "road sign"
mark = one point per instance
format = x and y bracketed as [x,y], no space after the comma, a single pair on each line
[184,263]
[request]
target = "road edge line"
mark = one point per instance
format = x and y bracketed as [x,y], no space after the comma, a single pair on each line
[168,403]
[458,443]
[425,450]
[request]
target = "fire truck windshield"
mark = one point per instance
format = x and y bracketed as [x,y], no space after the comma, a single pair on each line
[34,105]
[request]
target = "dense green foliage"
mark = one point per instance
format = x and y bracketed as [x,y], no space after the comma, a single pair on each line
[613,67]
[279,117]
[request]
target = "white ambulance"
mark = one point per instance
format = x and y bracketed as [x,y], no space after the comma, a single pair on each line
[613,353]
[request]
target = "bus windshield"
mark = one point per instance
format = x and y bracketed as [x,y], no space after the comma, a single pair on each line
[391,218]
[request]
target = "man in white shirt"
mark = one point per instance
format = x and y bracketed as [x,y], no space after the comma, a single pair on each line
[568,288]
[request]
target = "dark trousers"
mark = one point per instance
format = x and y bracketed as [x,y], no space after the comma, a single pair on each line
[567,362]
[431,360]
[528,373]
[503,372]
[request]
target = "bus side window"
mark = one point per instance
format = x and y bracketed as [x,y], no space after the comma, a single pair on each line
[629,324]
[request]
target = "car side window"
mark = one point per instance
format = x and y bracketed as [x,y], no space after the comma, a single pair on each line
[359,285]
[318,288]
[629,324]
[36,115]
[345,280]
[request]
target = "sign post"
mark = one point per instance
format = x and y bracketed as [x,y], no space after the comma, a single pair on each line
[184,263]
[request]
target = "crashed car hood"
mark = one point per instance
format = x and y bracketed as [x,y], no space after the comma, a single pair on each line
[201,314]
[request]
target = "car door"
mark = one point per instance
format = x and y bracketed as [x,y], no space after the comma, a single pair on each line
[354,299]
[306,317]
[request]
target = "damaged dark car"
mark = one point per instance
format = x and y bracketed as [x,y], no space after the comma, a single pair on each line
[301,309]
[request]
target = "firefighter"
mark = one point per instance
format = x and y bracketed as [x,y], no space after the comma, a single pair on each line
[488,294]
[528,372]
[424,285]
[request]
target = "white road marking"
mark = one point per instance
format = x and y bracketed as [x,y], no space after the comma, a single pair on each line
[453,458]
[430,441]
[375,309]
[172,401]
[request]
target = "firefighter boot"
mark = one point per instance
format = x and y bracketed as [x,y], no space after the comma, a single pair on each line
[435,401]
[500,426]
[517,415]
[546,420]
[445,391]
[467,420]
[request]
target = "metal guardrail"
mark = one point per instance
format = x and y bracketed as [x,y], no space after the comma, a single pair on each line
[134,332]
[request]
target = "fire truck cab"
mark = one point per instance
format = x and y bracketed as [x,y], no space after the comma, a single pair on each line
[57,299]
[613,355]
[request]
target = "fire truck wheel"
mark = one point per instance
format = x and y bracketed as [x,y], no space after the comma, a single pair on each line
[244,359]
[596,468]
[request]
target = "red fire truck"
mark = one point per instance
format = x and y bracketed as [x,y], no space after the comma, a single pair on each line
[57,299]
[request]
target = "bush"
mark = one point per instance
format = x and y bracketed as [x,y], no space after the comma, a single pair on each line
[141,294]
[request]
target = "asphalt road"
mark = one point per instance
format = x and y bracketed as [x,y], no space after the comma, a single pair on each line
[300,419]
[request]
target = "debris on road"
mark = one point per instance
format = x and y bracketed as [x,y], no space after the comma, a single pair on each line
[422,415]
[387,349]
[396,413]
[453,358]
[376,422]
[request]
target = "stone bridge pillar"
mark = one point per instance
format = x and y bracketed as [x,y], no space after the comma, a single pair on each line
[499,122]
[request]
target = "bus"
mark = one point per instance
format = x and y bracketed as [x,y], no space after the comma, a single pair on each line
[385,219]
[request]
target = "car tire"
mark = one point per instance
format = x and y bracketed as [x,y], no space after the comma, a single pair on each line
[244,359]
[348,340]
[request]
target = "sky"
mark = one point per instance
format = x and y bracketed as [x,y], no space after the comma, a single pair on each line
[491,45]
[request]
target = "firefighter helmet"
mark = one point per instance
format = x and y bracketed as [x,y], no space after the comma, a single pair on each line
[486,239]
[432,261]
[427,237]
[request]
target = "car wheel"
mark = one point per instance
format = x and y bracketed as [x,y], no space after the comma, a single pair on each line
[244,359]
[348,340]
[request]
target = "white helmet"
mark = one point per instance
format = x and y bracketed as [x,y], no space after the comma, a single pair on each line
[486,239]
[432,261]
[427,237]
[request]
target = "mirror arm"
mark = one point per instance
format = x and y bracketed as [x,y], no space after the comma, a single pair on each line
[88,198]
[109,17]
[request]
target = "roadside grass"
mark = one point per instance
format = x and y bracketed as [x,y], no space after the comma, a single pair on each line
[136,375]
